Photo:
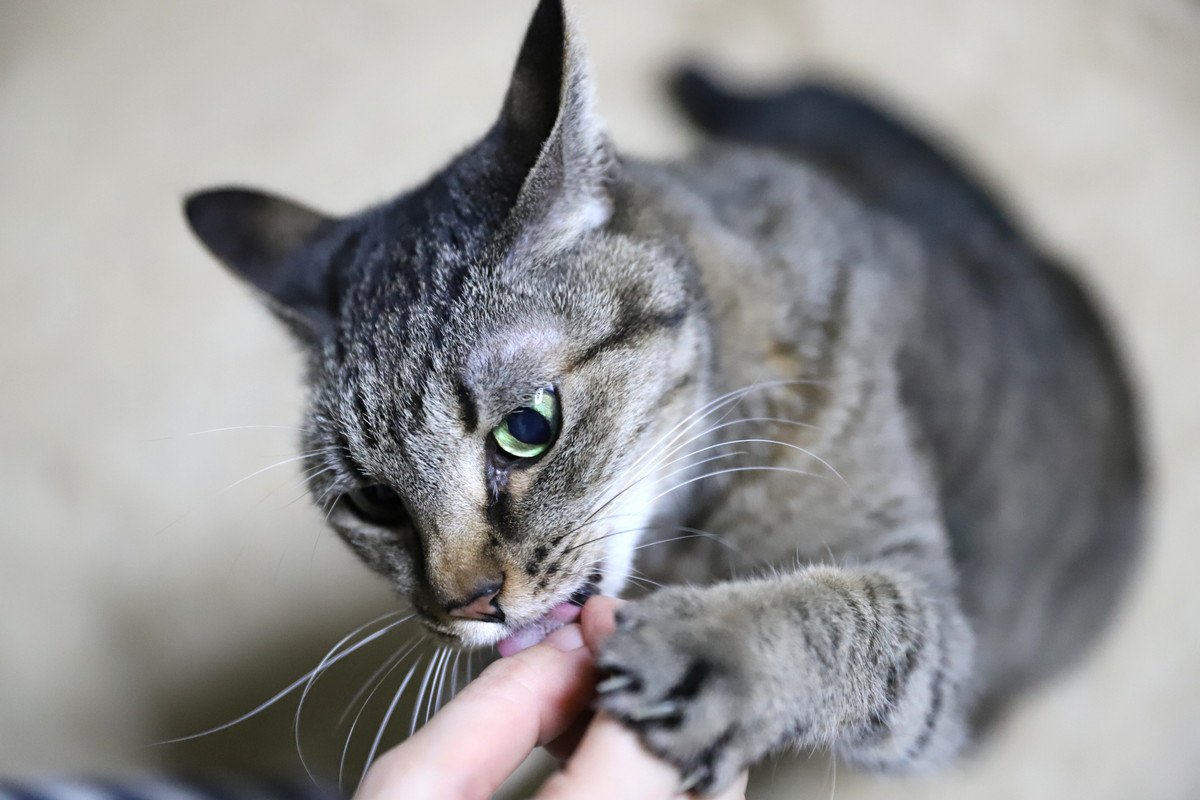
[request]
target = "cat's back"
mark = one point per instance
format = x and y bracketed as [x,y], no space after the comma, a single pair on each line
[1008,371]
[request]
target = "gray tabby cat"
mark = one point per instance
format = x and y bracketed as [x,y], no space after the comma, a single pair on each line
[882,444]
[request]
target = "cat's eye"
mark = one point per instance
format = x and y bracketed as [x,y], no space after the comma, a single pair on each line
[378,504]
[529,431]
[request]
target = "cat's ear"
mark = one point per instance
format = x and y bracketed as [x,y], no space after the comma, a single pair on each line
[268,241]
[550,110]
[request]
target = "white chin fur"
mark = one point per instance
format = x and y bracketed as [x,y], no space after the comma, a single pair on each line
[480,634]
[632,515]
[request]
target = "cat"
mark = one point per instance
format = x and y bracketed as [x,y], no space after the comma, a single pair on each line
[880,446]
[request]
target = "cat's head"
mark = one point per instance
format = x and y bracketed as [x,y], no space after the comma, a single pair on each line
[492,356]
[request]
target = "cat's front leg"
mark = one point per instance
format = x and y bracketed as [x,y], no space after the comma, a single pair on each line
[871,662]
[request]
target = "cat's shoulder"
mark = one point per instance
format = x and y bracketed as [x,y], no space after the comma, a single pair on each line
[785,209]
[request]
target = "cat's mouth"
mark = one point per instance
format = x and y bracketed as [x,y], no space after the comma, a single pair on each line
[559,615]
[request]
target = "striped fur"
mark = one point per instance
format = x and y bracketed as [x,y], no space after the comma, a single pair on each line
[898,435]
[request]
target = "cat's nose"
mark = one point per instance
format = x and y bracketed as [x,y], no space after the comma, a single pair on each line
[481,605]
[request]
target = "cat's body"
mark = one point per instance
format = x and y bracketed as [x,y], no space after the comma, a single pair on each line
[896,437]
[1015,399]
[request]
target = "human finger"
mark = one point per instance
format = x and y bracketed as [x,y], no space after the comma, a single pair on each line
[468,749]
[611,762]
[598,620]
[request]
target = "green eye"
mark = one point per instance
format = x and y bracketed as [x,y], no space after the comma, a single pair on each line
[529,431]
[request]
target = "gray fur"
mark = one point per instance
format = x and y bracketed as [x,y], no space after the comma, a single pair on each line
[935,493]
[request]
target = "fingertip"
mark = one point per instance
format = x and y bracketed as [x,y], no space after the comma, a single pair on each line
[611,762]
[599,620]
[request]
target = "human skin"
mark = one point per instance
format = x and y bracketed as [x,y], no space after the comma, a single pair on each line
[538,697]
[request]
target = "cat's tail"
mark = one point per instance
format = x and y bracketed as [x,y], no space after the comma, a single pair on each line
[878,154]
[806,113]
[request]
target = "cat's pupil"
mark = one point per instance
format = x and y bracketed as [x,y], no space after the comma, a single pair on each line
[528,426]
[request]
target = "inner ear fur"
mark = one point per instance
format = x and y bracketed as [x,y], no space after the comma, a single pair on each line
[551,99]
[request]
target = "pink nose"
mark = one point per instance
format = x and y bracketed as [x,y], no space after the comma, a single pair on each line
[482,606]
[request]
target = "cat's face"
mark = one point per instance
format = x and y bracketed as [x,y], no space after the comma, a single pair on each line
[494,359]
[482,443]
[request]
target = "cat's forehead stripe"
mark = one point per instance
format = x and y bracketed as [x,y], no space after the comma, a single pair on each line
[466,406]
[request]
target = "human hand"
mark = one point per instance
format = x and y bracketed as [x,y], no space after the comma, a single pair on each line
[538,697]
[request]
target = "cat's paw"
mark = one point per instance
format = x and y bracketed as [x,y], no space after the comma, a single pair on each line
[674,675]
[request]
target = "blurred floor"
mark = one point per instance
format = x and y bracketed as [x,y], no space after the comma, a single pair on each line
[140,598]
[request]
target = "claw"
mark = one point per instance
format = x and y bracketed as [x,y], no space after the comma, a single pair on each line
[662,710]
[614,684]
[692,779]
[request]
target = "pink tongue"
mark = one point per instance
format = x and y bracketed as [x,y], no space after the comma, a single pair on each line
[524,638]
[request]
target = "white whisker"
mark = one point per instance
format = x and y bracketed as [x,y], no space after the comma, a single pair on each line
[235,484]
[332,506]
[395,661]
[292,428]
[307,476]
[301,681]
[421,692]
[256,473]
[325,663]
[666,445]
[693,533]
[454,676]
[389,664]
[710,407]
[665,442]
[191,434]
[730,470]
[435,687]
[656,478]
[387,717]
[773,420]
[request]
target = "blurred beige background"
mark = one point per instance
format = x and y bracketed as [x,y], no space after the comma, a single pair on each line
[142,596]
